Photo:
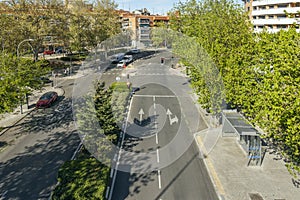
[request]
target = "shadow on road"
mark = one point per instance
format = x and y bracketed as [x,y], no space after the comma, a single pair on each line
[30,168]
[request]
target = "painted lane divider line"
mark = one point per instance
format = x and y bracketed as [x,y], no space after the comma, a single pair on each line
[111,172]
[107,191]
[159,179]
[157,153]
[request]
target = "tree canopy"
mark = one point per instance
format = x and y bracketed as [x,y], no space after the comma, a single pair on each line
[260,71]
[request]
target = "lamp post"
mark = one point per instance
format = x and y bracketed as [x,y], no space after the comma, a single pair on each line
[26,40]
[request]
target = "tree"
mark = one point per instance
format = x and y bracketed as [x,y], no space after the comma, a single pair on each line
[260,71]
[18,77]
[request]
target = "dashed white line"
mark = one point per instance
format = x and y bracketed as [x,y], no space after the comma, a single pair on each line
[157,153]
[120,152]
[107,191]
[146,95]
[111,172]
[159,179]
[156,138]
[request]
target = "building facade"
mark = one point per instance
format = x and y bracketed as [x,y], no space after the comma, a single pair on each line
[274,15]
[140,24]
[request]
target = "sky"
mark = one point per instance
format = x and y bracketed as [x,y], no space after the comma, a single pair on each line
[153,6]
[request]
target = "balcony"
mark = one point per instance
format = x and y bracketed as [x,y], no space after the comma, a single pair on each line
[275,11]
[274,30]
[272,2]
[275,21]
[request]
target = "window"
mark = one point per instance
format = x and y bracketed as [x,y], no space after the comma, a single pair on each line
[262,17]
[281,16]
[281,26]
[282,5]
[271,7]
[271,16]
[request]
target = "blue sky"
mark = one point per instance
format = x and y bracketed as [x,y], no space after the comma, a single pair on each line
[158,6]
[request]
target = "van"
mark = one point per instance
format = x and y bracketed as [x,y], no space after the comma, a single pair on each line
[117,57]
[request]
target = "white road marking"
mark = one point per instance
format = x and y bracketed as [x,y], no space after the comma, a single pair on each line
[120,151]
[147,95]
[141,112]
[159,179]
[107,191]
[172,120]
[155,123]
[149,63]
[111,172]
[157,153]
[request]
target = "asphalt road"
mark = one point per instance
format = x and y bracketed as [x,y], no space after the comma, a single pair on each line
[39,145]
[160,159]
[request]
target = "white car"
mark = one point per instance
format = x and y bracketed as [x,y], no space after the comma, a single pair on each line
[121,63]
[128,59]
[134,51]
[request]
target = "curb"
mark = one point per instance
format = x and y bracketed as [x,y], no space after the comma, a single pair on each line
[5,129]
[210,168]
[8,128]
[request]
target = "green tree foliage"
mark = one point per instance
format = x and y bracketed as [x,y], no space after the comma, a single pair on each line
[73,24]
[103,105]
[18,76]
[97,121]
[260,71]
[88,27]
[84,178]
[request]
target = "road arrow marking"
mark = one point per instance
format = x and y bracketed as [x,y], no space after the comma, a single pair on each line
[141,115]
[172,120]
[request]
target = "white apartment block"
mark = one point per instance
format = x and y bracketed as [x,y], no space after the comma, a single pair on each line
[273,15]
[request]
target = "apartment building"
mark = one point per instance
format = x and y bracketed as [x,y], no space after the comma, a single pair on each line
[140,23]
[273,15]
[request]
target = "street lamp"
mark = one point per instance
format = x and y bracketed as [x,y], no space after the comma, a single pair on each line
[26,40]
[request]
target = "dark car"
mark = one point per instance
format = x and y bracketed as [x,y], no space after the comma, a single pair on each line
[58,51]
[133,90]
[46,99]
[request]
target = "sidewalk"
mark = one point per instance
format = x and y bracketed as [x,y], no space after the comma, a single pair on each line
[232,178]
[235,181]
[8,120]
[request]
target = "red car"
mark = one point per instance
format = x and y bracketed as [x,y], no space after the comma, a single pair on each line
[48,52]
[46,99]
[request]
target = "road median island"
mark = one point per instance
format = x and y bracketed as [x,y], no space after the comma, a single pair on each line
[86,177]
[82,178]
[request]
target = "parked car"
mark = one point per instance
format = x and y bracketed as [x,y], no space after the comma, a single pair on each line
[117,57]
[46,99]
[58,51]
[128,59]
[121,63]
[134,51]
[48,52]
